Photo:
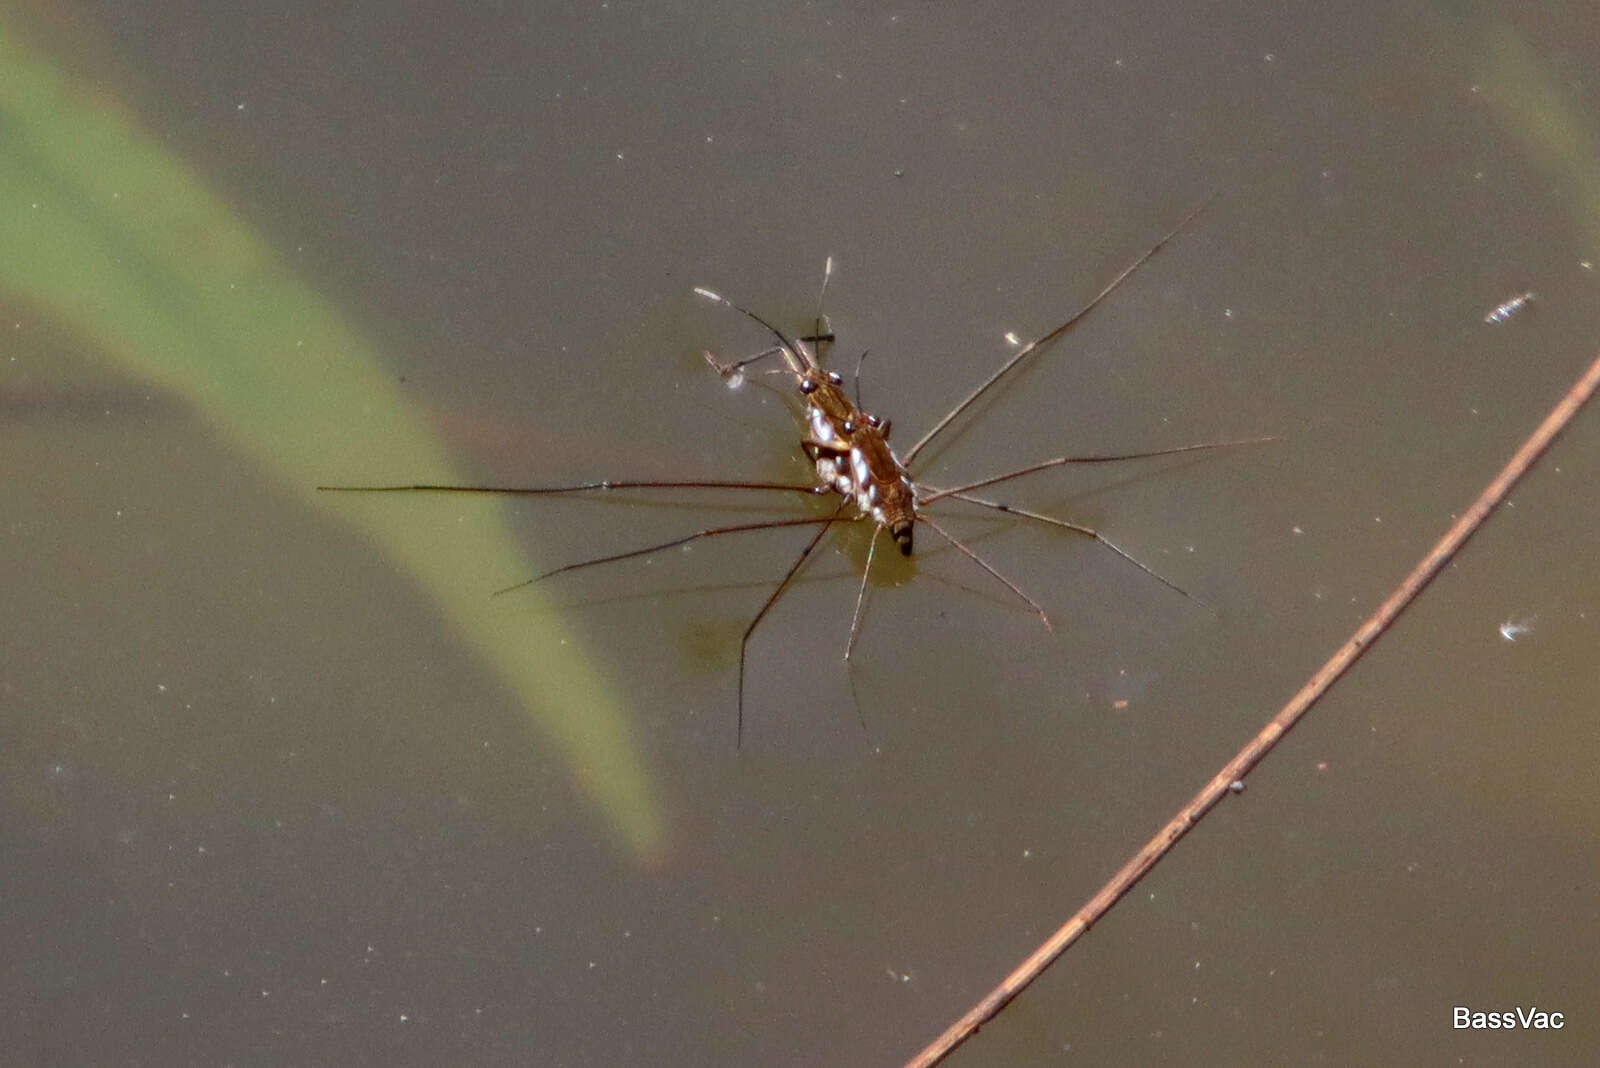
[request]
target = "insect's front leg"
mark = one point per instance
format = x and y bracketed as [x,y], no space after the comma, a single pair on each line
[735,367]
[832,463]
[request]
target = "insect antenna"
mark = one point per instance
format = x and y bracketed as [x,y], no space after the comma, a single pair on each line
[859,361]
[1033,346]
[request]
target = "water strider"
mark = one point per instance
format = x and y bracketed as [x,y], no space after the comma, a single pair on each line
[850,453]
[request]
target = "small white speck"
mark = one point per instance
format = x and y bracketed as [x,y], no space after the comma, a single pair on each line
[1296,530]
[1270,57]
[1227,313]
[1509,307]
[1515,629]
[1012,338]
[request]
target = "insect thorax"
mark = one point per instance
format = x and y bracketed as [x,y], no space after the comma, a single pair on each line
[853,459]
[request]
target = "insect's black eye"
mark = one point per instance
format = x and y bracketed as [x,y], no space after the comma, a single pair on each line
[874,422]
[849,427]
[807,386]
[834,378]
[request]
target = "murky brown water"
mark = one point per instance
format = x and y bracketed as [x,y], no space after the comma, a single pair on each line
[263,806]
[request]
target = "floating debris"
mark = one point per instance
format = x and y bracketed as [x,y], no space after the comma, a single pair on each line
[1506,309]
[1515,629]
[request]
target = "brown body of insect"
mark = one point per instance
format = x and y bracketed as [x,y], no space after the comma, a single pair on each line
[848,447]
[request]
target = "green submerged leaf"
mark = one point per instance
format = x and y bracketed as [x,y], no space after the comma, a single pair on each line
[121,243]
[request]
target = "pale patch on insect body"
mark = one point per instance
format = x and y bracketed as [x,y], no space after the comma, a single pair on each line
[858,467]
[829,474]
[823,433]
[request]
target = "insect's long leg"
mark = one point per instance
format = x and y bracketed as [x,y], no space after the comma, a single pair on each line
[728,370]
[794,568]
[1061,461]
[709,532]
[981,562]
[861,594]
[855,629]
[1011,509]
[581,487]
[1033,346]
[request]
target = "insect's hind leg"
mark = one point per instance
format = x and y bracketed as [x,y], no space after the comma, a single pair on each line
[1078,528]
[744,641]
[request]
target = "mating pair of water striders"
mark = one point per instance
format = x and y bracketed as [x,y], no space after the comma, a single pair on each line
[849,449]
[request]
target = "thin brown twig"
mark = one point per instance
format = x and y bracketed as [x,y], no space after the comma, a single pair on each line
[1247,758]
